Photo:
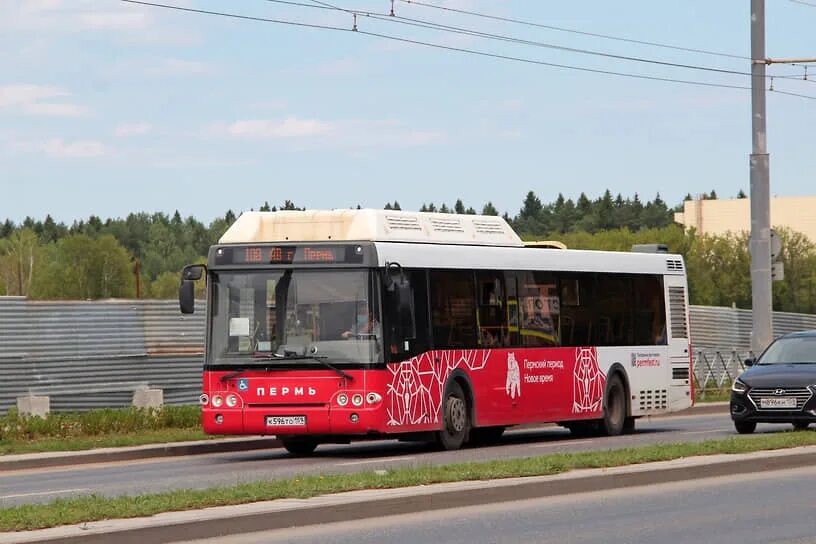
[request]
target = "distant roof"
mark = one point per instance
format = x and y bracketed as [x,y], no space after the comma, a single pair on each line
[371,225]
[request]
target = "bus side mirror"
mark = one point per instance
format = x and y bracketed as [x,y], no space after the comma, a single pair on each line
[189,276]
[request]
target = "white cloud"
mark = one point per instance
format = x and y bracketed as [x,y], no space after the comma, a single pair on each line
[133,129]
[37,100]
[81,149]
[112,20]
[290,127]
[317,134]
[178,67]
[125,22]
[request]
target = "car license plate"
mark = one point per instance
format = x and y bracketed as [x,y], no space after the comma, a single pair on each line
[781,402]
[285,421]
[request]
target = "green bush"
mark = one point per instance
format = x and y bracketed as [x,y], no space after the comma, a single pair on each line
[14,426]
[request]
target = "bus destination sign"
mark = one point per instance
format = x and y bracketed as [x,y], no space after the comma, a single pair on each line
[294,254]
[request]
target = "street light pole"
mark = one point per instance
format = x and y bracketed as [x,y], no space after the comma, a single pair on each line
[760,245]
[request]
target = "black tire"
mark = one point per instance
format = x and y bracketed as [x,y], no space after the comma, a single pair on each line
[800,425]
[481,436]
[614,413]
[299,446]
[455,418]
[745,427]
[629,425]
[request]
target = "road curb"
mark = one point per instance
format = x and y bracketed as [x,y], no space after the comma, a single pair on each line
[289,513]
[201,447]
[107,455]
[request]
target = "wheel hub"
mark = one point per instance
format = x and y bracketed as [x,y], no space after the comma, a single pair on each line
[457,417]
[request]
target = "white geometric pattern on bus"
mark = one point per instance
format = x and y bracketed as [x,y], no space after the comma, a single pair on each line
[588,382]
[414,394]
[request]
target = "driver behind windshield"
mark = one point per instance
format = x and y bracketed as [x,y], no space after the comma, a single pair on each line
[363,325]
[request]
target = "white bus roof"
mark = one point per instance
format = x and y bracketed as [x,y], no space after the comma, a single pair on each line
[371,225]
[510,258]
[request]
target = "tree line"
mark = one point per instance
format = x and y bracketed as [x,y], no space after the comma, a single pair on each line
[141,255]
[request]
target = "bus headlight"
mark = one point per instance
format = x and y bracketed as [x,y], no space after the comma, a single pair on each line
[217,401]
[373,398]
[357,400]
[342,399]
[232,400]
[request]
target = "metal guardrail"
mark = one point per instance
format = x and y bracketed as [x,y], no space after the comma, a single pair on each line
[715,369]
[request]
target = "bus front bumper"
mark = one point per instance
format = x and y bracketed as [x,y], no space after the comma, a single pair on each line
[294,420]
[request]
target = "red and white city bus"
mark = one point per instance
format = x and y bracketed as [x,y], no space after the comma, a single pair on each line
[326,326]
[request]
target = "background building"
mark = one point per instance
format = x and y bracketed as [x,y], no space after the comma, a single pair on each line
[723,215]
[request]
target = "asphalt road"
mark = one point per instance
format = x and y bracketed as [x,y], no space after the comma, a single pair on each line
[765,507]
[202,471]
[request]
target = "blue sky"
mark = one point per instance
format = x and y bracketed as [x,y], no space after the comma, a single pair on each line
[108,108]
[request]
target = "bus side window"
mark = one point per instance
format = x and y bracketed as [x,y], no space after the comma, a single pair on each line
[539,309]
[650,311]
[492,316]
[578,309]
[453,311]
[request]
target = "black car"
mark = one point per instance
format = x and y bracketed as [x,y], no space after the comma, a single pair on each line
[779,386]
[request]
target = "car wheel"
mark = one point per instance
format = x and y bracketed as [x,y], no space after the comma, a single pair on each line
[455,419]
[801,425]
[745,427]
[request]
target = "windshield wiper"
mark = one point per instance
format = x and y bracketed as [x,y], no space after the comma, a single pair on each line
[294,357]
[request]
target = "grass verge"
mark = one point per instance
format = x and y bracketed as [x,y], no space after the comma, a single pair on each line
[93,508]
[98,428]
[713,395]
[161,436]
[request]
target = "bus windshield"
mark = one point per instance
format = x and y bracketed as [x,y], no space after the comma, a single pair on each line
[287,316]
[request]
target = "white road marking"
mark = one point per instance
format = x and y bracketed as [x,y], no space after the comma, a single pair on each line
[370,461]
[56,492]
[562,443]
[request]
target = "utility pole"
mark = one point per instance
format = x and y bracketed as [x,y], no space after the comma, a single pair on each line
[760,245]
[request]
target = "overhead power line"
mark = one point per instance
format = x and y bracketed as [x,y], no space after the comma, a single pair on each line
[440,46]
[511,39]
[575,31]
[802,2]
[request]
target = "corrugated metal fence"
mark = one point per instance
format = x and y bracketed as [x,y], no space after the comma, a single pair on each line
[93,354]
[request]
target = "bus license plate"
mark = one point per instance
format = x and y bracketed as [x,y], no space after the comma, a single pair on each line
[285,421]
[782,402]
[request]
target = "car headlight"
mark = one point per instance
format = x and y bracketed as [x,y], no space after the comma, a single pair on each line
[739,386]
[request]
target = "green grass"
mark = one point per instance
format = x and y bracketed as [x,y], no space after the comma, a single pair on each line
[93,508]
[161,436]
[108,427]
[713,395]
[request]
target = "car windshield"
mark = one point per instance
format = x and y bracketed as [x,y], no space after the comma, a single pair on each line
[791,350]
[293,315]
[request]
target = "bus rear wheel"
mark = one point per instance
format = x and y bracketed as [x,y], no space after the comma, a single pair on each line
[614,414]
[299,446]
[455,418]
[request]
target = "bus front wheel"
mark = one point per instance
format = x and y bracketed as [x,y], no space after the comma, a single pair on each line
[455,418]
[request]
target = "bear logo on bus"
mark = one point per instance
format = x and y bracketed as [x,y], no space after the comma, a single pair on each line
[513,383]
